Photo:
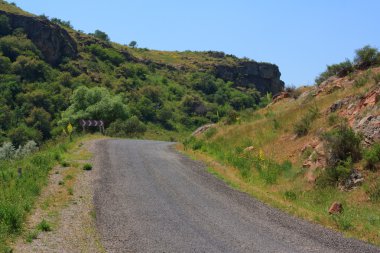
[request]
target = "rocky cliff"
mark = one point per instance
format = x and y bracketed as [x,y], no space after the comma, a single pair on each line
[265,77]
[54,42]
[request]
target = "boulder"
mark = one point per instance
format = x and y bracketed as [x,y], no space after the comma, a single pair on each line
[353,180]
[249,149]
[336,208]
[202,129]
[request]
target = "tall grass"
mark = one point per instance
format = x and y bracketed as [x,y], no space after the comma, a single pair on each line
[19,192]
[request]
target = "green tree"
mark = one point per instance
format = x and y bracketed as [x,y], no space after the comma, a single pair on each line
[5,28]
[133,44]
[22,134]
[95,103]
[5,64]
[101,35]
[40,119]
[366,57]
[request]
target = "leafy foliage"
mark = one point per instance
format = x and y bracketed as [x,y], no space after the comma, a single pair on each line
[372,157]
[365,57]
[302,127]
[101,35]
[129,128]
[342,144]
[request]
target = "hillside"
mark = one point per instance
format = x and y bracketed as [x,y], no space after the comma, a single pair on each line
[52,75]
[310,147]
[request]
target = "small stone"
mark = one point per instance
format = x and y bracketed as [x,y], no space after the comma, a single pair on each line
[336,208]
[249,149]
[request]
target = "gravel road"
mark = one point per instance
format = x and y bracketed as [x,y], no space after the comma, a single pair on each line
[149,198]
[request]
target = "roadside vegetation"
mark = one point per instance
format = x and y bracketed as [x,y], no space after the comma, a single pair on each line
[274,154]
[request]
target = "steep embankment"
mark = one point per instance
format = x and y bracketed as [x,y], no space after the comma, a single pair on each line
[309,148]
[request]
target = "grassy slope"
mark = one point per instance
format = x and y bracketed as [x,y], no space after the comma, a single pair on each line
[13,9]
[270,132]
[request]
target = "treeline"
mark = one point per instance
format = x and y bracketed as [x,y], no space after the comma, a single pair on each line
[38,100]
[365,58]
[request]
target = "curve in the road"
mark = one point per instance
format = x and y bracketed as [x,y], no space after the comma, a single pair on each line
[150,198]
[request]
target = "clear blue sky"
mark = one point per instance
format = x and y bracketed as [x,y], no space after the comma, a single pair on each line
[300,36]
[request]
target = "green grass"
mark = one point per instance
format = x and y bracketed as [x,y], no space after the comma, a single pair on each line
[18,194]
[12,9]
[266,173]
[44,226]
[87,166]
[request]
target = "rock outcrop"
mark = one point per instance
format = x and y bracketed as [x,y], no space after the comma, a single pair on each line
[54,42]
[265,77]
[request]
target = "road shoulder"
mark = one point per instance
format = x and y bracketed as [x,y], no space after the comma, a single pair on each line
[66,204]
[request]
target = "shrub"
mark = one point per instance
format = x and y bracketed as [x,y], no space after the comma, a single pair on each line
[44,226]
[100,35]
[334,175]
[106,54]
[30,68]
[62,22]
[7,151]
[290,195]
[128,128]
[94,103]
[341,144]
[302,127]
[341,69]
[14,46]
[372,157]
[87,166]
[22,134]
[5,28]
[366,57]
[231,117]
[5,64]
[29,148]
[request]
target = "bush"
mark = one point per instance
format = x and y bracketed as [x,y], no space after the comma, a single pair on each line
[372,157]
[106,54]
[302,127]
[44,226]
[14,46]
[5,28]
[366,57]
[129,128]
[341,69]
[290,195]
[100,35]
[62,22]
[22,134]
[94,103]
[5,64]
[342,144]
[30,68]
[334,175]
[87,166]
[231,117]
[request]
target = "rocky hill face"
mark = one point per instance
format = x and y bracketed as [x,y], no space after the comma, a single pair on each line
[54,42]
[265,77]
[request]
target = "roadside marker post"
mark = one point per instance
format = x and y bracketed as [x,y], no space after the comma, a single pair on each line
[92,123]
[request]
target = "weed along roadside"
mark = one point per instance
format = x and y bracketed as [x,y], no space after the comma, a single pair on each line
[315,156]
[35,189]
